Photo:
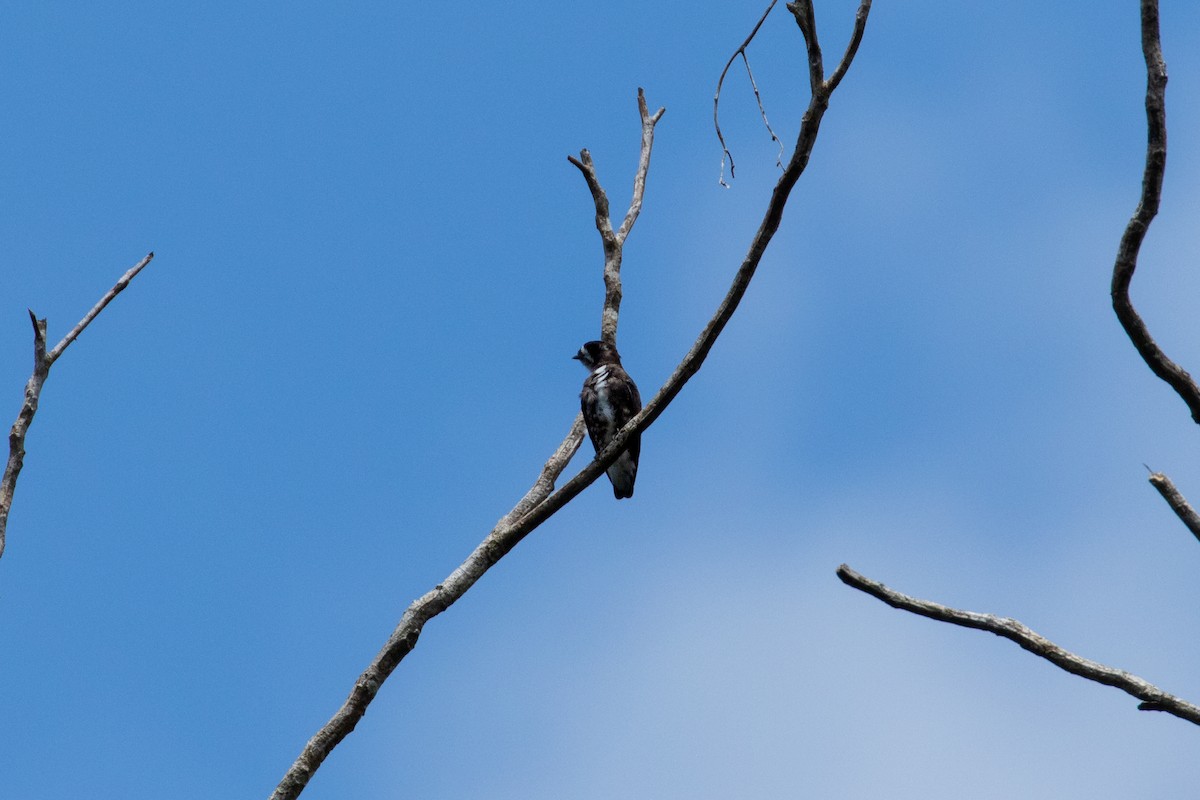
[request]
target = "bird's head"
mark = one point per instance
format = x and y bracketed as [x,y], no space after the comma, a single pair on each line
[593,354]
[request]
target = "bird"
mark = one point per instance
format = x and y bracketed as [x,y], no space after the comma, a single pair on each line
[609,400]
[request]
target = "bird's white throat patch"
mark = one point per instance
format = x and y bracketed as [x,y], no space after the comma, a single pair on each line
[600,384]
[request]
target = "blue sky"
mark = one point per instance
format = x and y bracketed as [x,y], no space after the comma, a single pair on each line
[352,355]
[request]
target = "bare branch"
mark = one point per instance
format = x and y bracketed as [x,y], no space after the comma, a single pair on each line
[117,288]
[1182,508]
[1153,698]
[42,361]
[763,113]
[806,18]
[603,222]
[860,27]
[516,526]
[639,179]
[1135,231]
[614,241]
[741,51]
[404,637]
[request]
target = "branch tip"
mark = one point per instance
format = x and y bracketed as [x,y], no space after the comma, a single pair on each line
[1153,698]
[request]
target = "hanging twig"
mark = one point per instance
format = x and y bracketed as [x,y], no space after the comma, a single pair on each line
[741,51]
[1135,232]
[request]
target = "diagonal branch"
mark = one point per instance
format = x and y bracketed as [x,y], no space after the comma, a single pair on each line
[1182,508]
[614,241]
[860,27]
[514,527]
[1135,231]
[42,361]
[117,288]
[1153,698]
[639,178]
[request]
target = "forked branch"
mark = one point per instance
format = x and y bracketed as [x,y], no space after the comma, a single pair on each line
[519,523]
[42,361]
[1153,698]
[614,241]
[741,51]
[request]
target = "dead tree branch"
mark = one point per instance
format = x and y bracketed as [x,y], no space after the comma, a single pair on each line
[1135,232]
[1153,698]
[516,525]
[1175,499]
[614,241]
[42,361]
[741,51]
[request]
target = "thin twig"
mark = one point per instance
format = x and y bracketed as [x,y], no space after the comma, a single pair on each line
[1175,499]
[42,361]
[1153,698]
[1131,242]
[513,527]
[117,288]
[763,113]
[860,27]
[639,178]
[741,51]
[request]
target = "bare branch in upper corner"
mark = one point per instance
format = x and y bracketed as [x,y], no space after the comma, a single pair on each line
[741,51]
[42,361]
[1153,698]
[1135,232]
[1182,508]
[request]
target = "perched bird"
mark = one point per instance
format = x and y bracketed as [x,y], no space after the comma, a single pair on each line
[610,399]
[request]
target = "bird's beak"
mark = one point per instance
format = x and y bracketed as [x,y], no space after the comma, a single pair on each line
[578,356]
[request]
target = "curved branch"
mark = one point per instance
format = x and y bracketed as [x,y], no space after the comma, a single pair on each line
[860,27]
[42,361]
[1135,232]
[515,526]
[1153,698]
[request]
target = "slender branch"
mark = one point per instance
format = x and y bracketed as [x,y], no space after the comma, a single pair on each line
[1135,231]
[860,27]
[42,361]
[763,112]
[741,51]
[614,241]
[1153,698]
[639,178]
[117,288]
[603,222]
[1182,508]
[516,526]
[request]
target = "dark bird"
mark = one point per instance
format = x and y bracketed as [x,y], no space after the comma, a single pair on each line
[609,400]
